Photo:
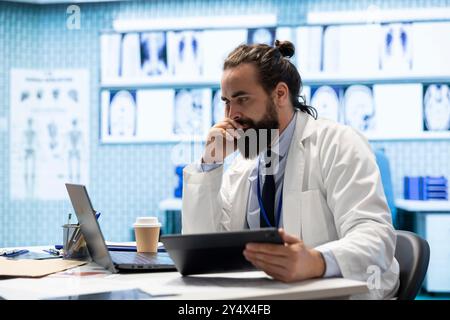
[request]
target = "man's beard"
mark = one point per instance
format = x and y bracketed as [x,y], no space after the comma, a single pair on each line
[258,135]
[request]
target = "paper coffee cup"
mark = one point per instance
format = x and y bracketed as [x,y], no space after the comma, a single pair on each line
[147,234]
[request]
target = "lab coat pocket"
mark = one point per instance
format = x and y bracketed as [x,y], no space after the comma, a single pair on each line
[316,219]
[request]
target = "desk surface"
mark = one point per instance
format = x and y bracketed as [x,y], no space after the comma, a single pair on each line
[423,206]
[171,285]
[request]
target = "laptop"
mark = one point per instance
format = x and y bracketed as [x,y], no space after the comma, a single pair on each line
[114,261]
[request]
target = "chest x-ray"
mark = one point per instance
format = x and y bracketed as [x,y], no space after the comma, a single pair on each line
[436,106]
[396,53]
[186,53]
[122,114]
[326,101]
[261,36]
[153,53]
[359,108]
[188,112]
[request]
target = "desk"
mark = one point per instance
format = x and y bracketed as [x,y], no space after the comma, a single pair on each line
[431,220]
[171,285]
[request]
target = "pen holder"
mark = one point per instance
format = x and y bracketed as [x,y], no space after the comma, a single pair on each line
[74,246]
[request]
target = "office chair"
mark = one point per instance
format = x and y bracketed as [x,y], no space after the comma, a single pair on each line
[386,179]
[413,255]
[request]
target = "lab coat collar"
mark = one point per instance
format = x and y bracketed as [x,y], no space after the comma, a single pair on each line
[305,126]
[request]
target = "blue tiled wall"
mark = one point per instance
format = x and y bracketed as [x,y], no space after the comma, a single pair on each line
[130,180]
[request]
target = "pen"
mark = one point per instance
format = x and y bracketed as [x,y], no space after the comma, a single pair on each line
[13,252]
[53,251]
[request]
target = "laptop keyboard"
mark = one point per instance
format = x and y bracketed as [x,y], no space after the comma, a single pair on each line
[124,257]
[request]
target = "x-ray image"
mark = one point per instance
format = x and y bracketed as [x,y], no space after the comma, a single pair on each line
[359,108]
[261,35]
[220,44]
[396,52]
[130,63]
[398,110]
[308,49]
[185,53]
[110,44]
[188,118]
[153,53]
[436,108]
[218,112]
[325,100]
[122,114]
[431,47]
[350,49]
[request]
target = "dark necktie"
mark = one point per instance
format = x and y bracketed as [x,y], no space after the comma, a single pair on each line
[268,201]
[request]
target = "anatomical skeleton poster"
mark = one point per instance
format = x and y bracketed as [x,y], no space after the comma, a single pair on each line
[49,132]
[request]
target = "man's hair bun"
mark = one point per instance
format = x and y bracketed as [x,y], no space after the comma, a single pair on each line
[286,48]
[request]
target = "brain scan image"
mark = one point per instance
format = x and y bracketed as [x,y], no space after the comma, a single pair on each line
[122,114]
[359,108]
[218,112]
[153,53]
[261,35]
[396,47]
[326,102]
[436,106]
[188,112]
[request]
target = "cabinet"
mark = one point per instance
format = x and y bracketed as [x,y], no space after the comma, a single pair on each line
[431,220]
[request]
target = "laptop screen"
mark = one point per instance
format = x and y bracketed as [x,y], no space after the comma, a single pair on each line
[89,226]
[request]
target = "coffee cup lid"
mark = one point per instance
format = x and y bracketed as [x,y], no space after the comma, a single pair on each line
[147,222]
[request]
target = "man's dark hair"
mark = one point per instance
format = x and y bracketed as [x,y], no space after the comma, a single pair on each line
[273,66]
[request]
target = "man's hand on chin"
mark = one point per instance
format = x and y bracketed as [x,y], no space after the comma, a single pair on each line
[290,262]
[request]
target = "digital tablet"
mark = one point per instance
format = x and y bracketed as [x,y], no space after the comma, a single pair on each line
[215,252]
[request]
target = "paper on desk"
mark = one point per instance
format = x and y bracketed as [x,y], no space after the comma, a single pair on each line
[35,268]
[212,283]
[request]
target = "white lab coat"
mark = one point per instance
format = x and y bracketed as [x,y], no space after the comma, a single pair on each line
[332,196]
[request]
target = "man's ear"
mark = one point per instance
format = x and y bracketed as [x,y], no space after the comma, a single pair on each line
[281,94]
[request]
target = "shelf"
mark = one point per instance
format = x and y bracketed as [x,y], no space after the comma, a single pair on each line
[160,83]
[423,206]
[417,136]
[375,78]
[308,80]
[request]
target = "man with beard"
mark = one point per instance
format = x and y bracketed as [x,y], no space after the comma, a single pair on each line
[314,179]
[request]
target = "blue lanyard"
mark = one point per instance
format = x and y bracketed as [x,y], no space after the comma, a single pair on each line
[261,206]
